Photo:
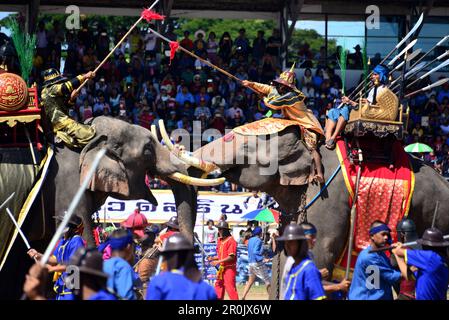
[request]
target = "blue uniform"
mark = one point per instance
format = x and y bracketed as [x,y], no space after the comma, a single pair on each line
[173,285]
[255,250]
[432,276]
[103,295]
[373,277]
[334,113]
[303,282]
[121,277]
[63,252]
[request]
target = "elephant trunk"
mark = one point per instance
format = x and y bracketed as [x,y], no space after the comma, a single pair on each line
[186,206]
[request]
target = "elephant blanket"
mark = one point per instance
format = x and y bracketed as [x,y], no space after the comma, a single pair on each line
[269,126]
[21,176]
[385,191]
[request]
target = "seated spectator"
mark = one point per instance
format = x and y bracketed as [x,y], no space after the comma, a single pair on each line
[225,45]
[184,96]
[212,48]
[444,92]
[231,112]
[218,122]
[202,109]
[100,106]
[172,122]
[86,110]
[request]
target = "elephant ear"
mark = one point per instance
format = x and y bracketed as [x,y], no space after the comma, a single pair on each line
[296,164]
[110,175]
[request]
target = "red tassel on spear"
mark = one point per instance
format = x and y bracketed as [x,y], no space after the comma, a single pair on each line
[174,46]
[149,15]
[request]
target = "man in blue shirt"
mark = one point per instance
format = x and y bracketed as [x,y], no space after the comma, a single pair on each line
[303,280]
[183,280]
[92,279]
[374,275]
[66,248]
[118,267]
[432,276]
[257,267]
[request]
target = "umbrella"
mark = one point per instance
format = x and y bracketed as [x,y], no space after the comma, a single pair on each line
[418,147]
[264,214]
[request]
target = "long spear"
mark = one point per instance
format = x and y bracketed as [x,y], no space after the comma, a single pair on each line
[443,40]
[13,220]
[175,46]
[426,88]
[440,66]
[417,69]
[116,46]
[408,35]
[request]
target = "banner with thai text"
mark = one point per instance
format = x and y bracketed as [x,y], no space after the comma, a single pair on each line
[210,205]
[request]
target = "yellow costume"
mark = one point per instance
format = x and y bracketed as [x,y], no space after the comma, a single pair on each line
[292,106]
[55,96]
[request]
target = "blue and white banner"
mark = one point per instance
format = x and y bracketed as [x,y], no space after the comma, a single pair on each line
[211,205]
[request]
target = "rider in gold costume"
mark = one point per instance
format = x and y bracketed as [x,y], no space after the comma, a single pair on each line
[56,94]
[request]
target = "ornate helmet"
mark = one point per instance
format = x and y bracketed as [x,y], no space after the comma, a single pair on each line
[176,242]
[408,227]
[173,222]
[292,232]
[223,225]
[89,261]
[288,78]
[52,76]
[74,221]
[433,237]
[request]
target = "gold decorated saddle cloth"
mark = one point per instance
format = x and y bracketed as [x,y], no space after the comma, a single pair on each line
[270,126]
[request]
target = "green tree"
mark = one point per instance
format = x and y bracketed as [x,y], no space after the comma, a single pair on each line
[313,38]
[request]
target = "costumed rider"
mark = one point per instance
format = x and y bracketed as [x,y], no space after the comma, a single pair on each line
[338,117]
[283,95]
[66,248]
[56,95]
[92,279]
[182,280]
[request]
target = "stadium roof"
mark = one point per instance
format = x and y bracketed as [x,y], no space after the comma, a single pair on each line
[318,6]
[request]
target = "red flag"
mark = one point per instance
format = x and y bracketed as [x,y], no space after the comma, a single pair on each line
[149,15]
[174,45]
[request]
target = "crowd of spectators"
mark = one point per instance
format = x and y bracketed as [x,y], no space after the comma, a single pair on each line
[140,84]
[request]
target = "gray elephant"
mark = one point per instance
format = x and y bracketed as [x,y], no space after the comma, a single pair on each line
[132,152]
[330,213]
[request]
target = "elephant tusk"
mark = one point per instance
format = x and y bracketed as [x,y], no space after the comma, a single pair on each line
[165,136]
[154,131]
[205,166]
[196,181]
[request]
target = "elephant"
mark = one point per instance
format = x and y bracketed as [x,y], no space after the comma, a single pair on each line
[331,212]
[132,152]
